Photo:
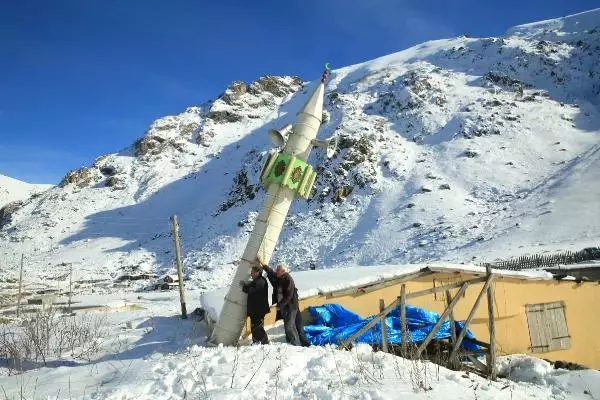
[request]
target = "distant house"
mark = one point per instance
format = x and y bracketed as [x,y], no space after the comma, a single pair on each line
[168,282]
[535,313]
[170,279]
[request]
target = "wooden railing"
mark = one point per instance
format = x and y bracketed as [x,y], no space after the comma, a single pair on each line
[400,302]
[547,261]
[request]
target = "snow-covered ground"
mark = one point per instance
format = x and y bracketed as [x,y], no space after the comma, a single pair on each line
[148,352]
[13,189]
[455,150]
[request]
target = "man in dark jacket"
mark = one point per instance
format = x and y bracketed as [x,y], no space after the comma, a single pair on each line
[258,304]
[285,295]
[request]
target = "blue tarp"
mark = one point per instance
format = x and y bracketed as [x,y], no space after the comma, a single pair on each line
[333,324]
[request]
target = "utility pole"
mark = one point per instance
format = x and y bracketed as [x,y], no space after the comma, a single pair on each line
[20,286]
[175,230]
[70,285]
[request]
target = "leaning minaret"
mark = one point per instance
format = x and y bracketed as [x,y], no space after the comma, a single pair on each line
[285,175]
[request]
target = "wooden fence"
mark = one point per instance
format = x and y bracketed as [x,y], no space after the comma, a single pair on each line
[457,354]
[547,261]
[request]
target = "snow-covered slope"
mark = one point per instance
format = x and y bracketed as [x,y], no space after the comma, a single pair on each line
[451,150]
[14,190]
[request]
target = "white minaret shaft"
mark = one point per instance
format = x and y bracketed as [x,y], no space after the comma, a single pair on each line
[270,220]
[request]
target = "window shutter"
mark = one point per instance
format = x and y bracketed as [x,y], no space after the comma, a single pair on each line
[555,313]
[548,327]
[537,329]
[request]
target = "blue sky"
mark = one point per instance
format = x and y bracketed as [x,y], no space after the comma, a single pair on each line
[81,78]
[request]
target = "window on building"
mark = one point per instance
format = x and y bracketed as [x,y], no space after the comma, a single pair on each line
[548,327]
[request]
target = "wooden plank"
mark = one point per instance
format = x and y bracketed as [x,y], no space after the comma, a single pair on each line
[539,341]
[440,321]
[492,325]
[394,304]
[480,343]
[559,338]
[403,325]
[362,330]
[463,332]
[452,362]
[444,288]
[464,353]
[478,364]
[384,338]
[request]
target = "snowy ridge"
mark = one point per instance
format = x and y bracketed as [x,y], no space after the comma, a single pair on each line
[455,150]
[571,24]
[13,190]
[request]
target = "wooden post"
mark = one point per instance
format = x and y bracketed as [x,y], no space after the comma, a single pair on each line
[463,332]
[478,364]
[440,321]
[179,266]
[384,338]
[20,286]
[491,362]
[70,285]
[451,361]
[403,325]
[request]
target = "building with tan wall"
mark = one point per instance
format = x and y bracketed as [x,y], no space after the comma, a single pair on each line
[534,312]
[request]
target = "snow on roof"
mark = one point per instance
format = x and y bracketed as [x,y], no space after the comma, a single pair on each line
[317,282]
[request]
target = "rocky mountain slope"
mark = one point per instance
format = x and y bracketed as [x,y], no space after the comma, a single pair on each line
[458,149]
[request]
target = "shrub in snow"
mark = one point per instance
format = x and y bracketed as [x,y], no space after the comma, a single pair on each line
[445,186]
[47,334]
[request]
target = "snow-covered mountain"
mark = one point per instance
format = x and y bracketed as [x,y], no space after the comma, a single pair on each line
[15,190]
[455,149]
